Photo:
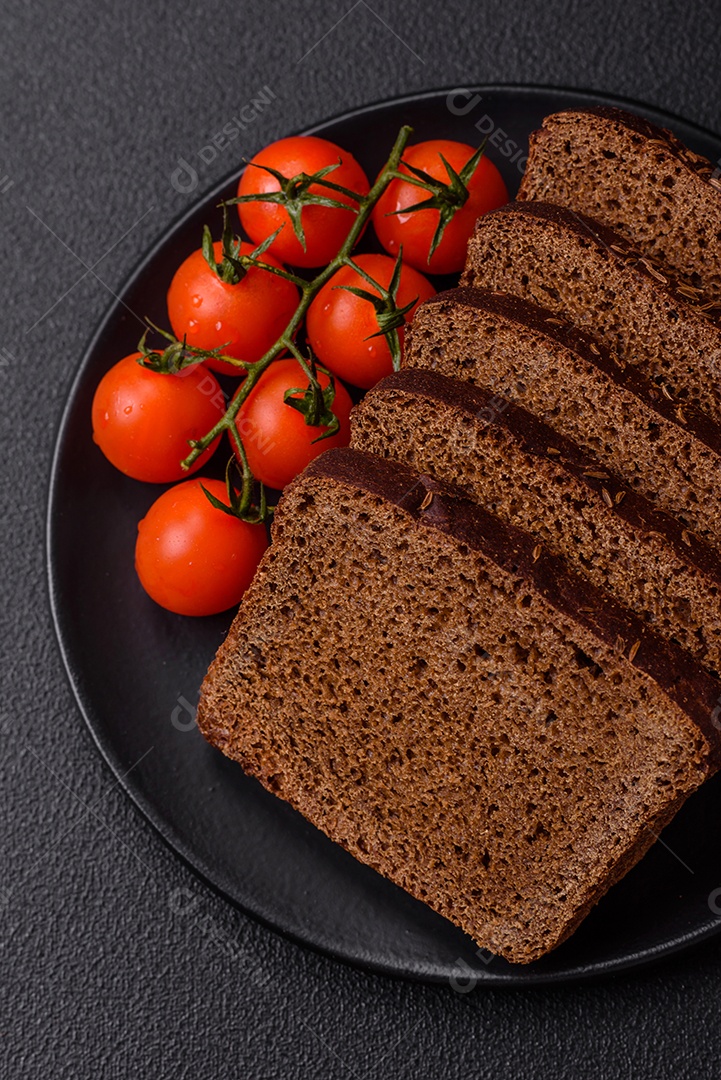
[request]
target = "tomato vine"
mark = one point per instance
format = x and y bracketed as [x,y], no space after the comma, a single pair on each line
[316,403]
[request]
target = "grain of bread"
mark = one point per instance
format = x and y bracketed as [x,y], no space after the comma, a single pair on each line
[636,178]
[574,266]
[526,473]
[440,696]
[561,375]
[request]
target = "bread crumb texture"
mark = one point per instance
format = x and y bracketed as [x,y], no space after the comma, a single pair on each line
[433,712]
[506,345]
[639,180]
[498,454]
[572,265]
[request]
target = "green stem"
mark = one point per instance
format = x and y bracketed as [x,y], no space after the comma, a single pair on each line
[295,351]
[309,290]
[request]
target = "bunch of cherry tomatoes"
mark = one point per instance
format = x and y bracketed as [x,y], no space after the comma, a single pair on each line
[192,558]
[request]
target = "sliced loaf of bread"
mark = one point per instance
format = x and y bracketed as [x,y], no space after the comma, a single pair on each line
[526,473]
[574,266]
[560,374]
[437,693]
[636,178]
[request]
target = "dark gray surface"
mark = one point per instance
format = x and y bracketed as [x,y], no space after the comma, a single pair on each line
[117,961]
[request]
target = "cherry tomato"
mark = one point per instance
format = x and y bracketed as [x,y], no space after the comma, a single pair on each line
[277,440]
[243,319]
[325,227]
[192,558]
[143,421]
[486,191]
[339,324]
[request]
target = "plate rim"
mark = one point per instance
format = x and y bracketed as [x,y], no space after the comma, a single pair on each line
[519,977]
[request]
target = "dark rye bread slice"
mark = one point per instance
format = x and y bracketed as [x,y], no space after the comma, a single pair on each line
[573,265]
[440,696]
[638,179]
[526,473]
[560,374]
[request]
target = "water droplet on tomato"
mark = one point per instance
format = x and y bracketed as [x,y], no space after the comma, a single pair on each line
[192,324]
[196,300]
[128,409]
[219,326]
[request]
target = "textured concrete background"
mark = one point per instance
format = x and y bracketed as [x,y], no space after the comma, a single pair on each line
[101,977]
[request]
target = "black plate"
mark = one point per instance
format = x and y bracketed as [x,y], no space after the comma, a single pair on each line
[136,669]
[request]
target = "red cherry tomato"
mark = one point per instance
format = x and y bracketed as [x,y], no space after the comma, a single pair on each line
[192,558]
[278,442]
[486,191]
[243,319]
[339,324]
[325,227]
[143,421]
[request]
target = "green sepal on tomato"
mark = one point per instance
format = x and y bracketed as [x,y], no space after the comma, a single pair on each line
[342,327]
[324,227]
[193,559]
[243,319]
[397,226]
[277,440]
[144,422]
